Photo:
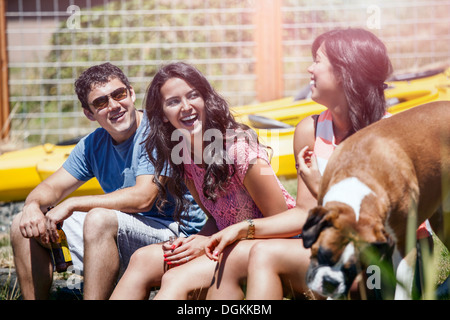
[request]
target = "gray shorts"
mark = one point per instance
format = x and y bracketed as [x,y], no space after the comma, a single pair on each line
[135,231]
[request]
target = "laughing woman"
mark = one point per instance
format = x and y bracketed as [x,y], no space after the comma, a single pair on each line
[223,165]
[347,77]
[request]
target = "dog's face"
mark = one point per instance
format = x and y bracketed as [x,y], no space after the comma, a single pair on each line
[336,240]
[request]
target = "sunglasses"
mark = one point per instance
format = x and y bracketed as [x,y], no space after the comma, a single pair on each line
[103,101]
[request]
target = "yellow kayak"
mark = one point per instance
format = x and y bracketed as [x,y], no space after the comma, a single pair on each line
[403,92]
[274,121]
[21,171]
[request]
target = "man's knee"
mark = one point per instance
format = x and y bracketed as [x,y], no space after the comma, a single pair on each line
[18,241]
[100,222]
[15,234]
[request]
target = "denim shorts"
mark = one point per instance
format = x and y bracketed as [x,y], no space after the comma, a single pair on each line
[135,231]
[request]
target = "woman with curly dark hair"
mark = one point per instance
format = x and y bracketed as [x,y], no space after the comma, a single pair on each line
[194,135]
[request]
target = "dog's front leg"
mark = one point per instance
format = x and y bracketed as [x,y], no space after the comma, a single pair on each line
[404,274]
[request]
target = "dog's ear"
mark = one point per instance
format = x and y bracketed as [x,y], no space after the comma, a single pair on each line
[317,220]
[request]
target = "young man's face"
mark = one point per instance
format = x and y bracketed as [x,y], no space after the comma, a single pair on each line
[113,108]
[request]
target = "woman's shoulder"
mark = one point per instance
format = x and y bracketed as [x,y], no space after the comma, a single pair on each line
[242,142]
[306,124]
[243,150]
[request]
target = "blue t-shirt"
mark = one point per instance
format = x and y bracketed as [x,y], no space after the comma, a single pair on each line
[117,166]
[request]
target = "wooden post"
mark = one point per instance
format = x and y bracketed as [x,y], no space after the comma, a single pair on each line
[269,50]
[4,91]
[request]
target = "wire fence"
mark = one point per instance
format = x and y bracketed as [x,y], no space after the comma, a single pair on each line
[51,42]
[416,32]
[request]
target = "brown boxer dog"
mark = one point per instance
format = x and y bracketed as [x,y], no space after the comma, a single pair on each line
[375,181]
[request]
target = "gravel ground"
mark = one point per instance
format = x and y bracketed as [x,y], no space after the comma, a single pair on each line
[7,213]
[59,290]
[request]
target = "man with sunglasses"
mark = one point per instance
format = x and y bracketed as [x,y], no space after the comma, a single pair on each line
[102,230]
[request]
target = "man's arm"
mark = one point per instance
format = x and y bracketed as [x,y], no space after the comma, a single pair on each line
[48,193]
[135,199]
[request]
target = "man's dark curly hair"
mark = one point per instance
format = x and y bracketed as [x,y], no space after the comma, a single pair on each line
[97,75]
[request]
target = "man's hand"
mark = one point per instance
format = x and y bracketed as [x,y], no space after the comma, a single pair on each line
[55,217]
[33,223]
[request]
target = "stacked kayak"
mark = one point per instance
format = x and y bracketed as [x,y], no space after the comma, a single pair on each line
[275,121]
[21,171]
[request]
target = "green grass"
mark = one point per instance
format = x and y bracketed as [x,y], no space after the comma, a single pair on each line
[290,186]
[9,289]
[442,256]
[6,259]
[438,266]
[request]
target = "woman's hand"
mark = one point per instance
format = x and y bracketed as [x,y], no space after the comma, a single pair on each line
[183,250]
[308,170]
[220,240]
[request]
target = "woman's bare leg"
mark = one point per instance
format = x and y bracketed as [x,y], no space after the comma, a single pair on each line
[232,272]
[277,267]
[144,271]
[187,279]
